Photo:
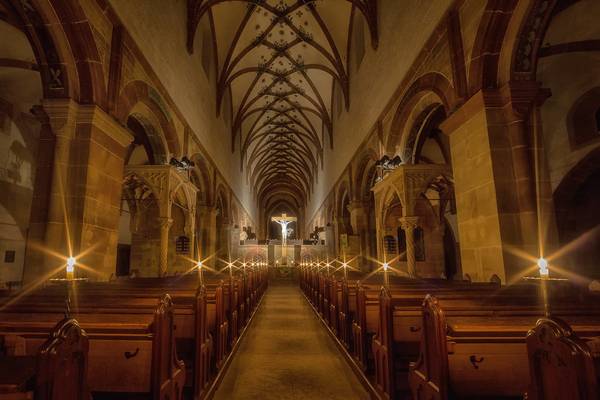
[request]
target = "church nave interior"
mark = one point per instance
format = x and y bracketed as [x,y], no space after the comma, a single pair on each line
[299,199]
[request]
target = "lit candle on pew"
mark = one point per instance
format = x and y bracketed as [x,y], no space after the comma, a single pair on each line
[543,268]
[386,266]
[544,276]
[199,267]
[71,268]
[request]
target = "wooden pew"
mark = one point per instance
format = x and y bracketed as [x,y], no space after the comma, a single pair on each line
[129,352]
[196,317]
[200,320]
[57,372]
[225,302]
[482,356]
[366,316]
[562,365]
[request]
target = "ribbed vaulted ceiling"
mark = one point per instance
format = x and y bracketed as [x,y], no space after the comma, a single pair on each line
[279,59]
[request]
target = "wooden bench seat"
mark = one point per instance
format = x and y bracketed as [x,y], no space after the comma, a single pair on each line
[400,322]
[366,317]
[480,356]
[139,346]
[562,365]
[201,322]
[56,372]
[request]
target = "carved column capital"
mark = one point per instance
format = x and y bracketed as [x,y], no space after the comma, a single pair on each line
[356,206]
[408,222]
[165,223]
[206,210]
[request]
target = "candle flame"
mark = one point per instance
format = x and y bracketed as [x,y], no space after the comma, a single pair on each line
[543,267]
[71,264]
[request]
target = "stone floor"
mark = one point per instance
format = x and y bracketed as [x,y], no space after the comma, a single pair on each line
[287,354]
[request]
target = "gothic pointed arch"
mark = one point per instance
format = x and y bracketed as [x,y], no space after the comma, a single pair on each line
[139,92]
[430,83]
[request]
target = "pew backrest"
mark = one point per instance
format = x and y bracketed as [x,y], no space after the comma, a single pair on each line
[62,364]
[561,365]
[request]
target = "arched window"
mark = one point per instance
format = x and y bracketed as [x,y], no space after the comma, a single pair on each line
[401,244]
[389,244]
[182,245]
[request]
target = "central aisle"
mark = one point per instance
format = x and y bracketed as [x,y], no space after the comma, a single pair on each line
[287,354]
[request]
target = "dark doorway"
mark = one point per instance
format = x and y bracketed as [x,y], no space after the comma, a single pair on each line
[450,253]
[123,259]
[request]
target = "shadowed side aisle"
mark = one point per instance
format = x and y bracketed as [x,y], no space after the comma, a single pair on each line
[287,354]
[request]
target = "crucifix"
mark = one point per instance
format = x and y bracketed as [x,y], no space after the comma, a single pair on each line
[283,221]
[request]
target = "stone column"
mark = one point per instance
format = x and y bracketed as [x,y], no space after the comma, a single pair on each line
[408,225]
[330,241]
[225,242]
[191,232]
[494,181]
[336,238]
[234,242]
[165,226]
[208,230]
[358,220]
[84,197]
[51,203]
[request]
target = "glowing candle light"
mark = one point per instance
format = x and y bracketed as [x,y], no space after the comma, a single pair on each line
[543,267]
[199,267]
[71,267]
[386,266]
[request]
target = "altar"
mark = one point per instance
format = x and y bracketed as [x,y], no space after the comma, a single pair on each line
[273,253]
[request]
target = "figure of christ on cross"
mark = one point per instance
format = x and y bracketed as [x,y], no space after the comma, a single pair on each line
[284,221]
